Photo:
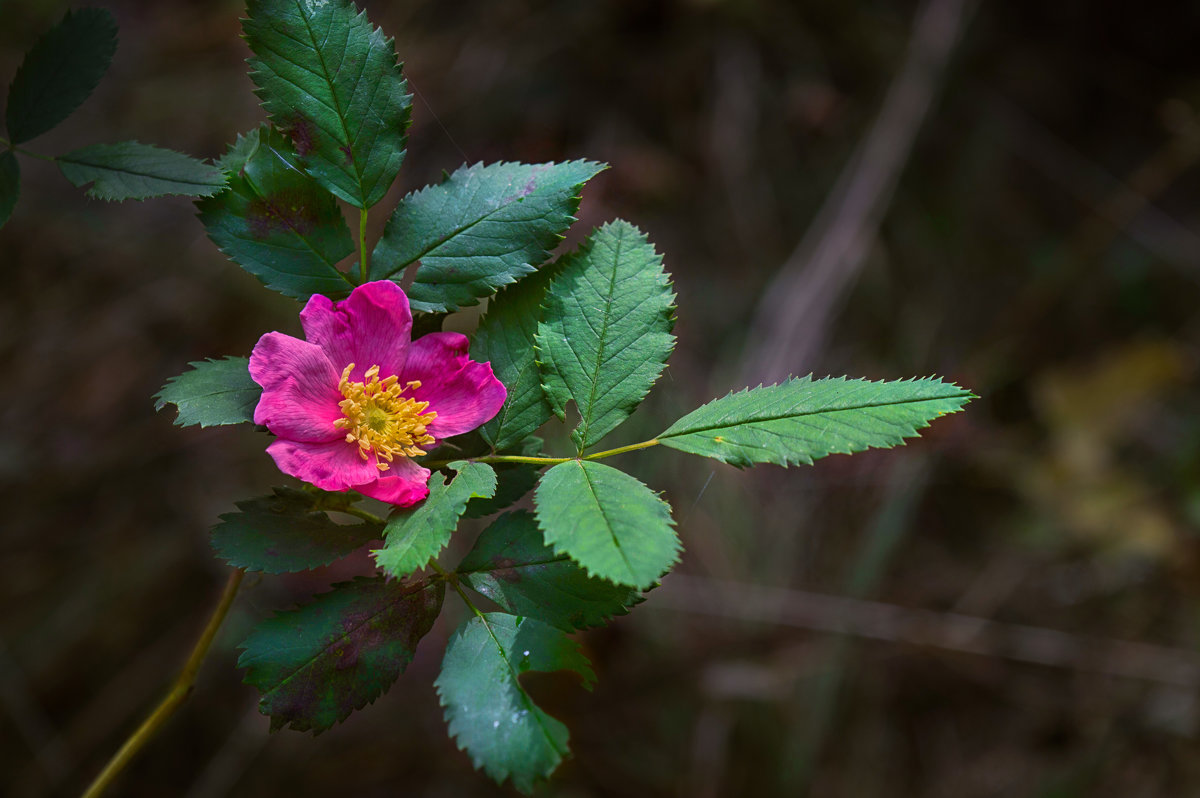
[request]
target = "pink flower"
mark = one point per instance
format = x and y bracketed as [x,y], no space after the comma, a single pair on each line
[356,401]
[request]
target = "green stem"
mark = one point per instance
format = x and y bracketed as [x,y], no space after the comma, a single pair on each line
[633,447]
[363,514]
[179,692]
[364,258]
[542,461]
[6,143]
[452,580]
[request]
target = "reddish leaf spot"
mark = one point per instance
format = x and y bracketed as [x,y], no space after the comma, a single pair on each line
[506,569]
[290,210]
[301,132]
[348,153]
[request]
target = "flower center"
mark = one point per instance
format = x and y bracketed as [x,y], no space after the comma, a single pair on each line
[382,421]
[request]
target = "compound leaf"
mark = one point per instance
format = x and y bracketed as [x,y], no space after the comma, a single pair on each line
[60,72]
[481,228]
[10,185]
[513,567]
[130,170]
[490,715]
[607,521]
[800,420]
[287,532]
[330,81]
[276,222]
[414,536]
[606,329]
[315,665]
[214,392]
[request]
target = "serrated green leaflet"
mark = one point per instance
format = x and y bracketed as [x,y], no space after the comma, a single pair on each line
[490,715]
[607,521]
[10,185]
[330,81]
[286,532]
[130,170]
[513,567]
[276,222]
[214,392]
[506,338]
[481,228]
[801,420]
[60,72]
[414,536]
[315,665]
[606,329]
[513,481]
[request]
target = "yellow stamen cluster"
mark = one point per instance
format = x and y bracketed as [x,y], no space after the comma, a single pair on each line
[380,420]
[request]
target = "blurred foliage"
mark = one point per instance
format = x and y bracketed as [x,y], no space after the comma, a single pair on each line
[1042,248]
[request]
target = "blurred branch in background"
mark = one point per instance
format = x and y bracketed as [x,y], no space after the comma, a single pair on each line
[945,630]
[800,303]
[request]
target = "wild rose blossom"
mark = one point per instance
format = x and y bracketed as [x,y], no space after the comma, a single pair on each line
[355,402]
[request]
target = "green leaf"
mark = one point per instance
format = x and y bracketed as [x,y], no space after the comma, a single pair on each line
[801,420]
[513,481]
[10,185]
[481,228]
[505,338]
[214,392]
[490,715]
[315,665]
[414,536]
[607,521]
[276,222]
[60,72]
[513,567]
[330,81]
[606,330]
[129,170]
[287,532]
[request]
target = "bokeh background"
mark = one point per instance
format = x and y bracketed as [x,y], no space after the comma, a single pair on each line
[1003,193]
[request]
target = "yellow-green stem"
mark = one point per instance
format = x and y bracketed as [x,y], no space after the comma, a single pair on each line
[543,461]
[178,693]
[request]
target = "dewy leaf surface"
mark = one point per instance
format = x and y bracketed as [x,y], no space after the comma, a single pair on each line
[330,81]
[213,392]
[505,338]
[10,185]
[276,222]
[130,170]
[315,665]
[801,420]
[489,714]
[481,228]
[607,521]
[60,72]
[513,567]
[286,532]
[606,330]
[414,536]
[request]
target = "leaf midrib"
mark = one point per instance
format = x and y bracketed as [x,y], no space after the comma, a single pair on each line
[827,411]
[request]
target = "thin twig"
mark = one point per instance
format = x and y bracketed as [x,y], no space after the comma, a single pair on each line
[800,303]
[178,693]
[946,630]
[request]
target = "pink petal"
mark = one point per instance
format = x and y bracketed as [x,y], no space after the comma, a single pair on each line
[300,395]
[463,393]
[370,328]
[329,466]
[404,484]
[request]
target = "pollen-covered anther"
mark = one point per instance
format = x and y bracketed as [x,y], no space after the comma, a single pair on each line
[380,419]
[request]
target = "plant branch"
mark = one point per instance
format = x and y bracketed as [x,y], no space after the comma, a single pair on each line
[518,458]
[178,693]
[6,143]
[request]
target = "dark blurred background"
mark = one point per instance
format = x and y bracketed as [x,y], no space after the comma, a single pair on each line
[1001,193]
